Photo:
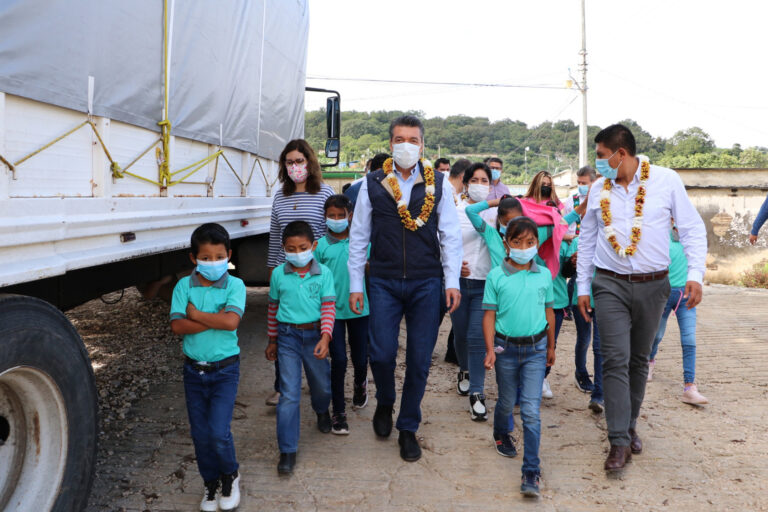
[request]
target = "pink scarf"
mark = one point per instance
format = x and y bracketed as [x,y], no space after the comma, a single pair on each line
[544,215]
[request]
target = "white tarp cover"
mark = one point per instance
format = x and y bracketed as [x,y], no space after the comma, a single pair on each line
[240,64]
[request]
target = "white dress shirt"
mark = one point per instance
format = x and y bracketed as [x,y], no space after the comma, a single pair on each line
[475,251]
[665,198]
[568,208]
[447,228]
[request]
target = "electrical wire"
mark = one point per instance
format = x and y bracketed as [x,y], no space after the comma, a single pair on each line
[420,82]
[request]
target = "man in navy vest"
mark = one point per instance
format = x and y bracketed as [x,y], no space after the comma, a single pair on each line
[415,243]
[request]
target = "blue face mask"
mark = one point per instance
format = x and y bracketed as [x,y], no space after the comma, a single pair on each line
[523,256]
[602,166]
[212,270]
[503,229]
[495,174]
[298,259]
[337,225]
[583,190]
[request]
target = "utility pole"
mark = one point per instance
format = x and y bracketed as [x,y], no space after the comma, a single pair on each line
[583,89]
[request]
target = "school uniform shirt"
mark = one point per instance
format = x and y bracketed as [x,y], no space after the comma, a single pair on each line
[334,254]
[665,198]
[560,284]
[476,252]
[228,293]
[299,299]
[519,298]
[298,206]
[678,266]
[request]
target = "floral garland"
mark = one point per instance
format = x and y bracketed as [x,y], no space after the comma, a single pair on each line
[402,206]
[637,223]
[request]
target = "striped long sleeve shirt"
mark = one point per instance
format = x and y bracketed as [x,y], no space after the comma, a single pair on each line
[297,206]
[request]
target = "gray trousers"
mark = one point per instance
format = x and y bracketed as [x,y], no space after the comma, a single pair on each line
[629,316]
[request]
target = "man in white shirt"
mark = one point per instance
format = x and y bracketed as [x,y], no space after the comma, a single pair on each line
[408,214]
[624,244]
[584,179]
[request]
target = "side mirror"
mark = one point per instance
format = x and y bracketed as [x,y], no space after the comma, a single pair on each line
[333,117]
[332,147]
[333,124]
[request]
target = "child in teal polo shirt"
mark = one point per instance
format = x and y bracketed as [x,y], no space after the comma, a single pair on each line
[206,309]
[519,331]
[302,310]
[333,251]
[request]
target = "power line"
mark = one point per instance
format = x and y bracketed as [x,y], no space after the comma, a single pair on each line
[459,84]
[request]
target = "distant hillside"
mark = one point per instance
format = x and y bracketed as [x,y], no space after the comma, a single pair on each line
[553,146]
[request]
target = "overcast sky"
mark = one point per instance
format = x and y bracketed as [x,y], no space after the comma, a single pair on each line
[668,64]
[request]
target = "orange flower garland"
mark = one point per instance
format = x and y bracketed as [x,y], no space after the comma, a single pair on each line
[402,206]
[605,207]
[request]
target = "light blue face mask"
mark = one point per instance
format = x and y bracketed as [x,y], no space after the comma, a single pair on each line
[523,256]
[212,270]
[503,229]
[602,166]
[299,259]
[495,174]
[583,190]
[337,225]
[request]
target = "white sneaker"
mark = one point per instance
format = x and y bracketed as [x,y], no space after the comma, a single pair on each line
[209,503]
[546,391]
[273,399]
[692,396]
[477,409]
[651,366]
[230,492]
[462,386]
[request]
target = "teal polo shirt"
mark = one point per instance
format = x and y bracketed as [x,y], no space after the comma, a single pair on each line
[228,293]
[678,266]
[299,298]
[520,298]
[560,284]
[334,254]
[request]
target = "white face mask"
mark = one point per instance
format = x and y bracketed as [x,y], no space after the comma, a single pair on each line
[405,154]
[478,192]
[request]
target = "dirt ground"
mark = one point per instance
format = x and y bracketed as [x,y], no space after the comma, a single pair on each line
[708,458]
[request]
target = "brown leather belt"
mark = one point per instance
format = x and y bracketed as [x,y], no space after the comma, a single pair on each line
[636,278]
[306,327]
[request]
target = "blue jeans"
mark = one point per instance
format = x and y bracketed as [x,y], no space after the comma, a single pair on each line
[559,314]
[419,301]
[521,366]
[583,331]
[357,329]
[294,348]
[468,337]
[210,401]
[686,321]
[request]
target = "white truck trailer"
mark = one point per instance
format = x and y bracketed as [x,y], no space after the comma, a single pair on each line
[123,126]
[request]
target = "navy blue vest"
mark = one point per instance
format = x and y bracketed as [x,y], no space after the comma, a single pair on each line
[396,252]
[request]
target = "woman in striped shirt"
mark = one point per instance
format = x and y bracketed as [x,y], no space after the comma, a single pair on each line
[301,197]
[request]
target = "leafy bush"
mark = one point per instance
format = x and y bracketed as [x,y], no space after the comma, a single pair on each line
[757,277]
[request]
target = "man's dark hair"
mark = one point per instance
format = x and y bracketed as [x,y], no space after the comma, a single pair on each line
[441,161]
[411,121]
[495,159]
[298,228]
[345,187]
[470,171]
[459,166]
[210,233]
[377,162]
[521,226]
[338,201]
[617,136]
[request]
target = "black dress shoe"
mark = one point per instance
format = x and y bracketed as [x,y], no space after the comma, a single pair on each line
[382,420]
[287,463]
[410,451]
[635,443]
[617,458]
[324,422]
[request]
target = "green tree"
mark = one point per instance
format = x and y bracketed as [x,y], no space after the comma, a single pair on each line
[691,141]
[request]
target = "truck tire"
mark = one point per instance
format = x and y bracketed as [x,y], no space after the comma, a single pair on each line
[48,409]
